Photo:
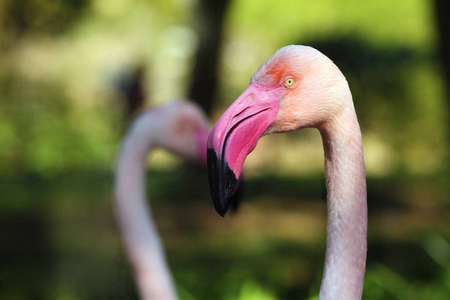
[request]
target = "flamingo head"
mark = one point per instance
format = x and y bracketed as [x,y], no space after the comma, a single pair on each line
[180,127]
[297,87]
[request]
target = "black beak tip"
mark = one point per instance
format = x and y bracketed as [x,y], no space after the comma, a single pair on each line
[221,203]
[221,182]
[221,210]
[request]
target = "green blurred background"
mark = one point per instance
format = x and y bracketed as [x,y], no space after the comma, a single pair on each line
[69,71]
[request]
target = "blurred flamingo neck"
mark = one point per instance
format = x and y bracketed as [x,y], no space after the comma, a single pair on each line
[142,242]
[345,257]
[131,168]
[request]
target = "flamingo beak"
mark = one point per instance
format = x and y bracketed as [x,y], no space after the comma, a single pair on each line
[234,136]
[201,136]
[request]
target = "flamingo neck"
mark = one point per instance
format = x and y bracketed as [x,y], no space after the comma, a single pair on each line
[346,250]
[141,240]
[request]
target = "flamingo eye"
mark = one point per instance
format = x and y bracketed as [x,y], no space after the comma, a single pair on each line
[289,82]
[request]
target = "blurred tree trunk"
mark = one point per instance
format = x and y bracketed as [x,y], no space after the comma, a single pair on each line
[442,10]
[204,84]
[132,88]
[130,85]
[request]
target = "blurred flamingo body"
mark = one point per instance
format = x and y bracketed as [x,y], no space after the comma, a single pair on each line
[299,87]
[181,128]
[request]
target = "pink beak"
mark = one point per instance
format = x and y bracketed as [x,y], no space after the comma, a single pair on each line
[234,136]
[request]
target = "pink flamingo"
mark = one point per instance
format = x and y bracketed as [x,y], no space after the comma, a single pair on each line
[299,87]
[181,128]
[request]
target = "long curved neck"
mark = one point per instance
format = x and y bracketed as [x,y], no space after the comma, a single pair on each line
[346,250]
[142,243]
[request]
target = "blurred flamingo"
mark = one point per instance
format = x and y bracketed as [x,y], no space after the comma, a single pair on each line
[181,128]
[299,87]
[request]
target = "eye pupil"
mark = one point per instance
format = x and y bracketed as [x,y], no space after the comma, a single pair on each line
[289,82]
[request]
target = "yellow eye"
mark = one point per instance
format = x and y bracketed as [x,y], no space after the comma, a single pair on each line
[289,82]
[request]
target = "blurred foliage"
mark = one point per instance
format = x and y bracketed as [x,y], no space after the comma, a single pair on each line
[59,241]
[62,114]
[38,17]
